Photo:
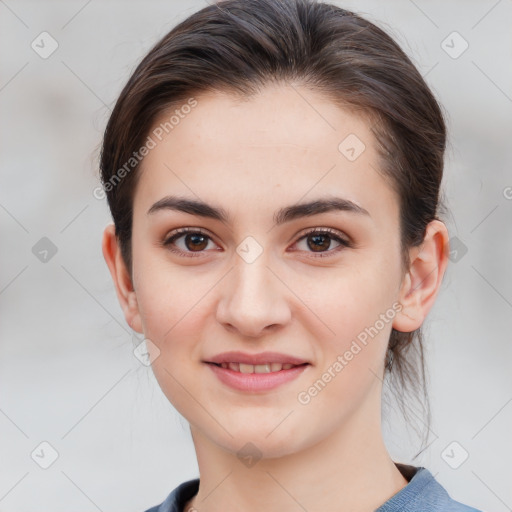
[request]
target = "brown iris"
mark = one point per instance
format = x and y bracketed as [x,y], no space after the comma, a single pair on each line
[196,241]
[317,244]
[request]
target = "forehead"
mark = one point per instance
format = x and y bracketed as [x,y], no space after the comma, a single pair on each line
[283,143]
[279,115]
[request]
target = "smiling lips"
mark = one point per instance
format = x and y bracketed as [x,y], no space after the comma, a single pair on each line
[264,362]
[256,372]
[257,368]
[256,382]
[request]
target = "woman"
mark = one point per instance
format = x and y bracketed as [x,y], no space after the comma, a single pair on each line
[273,172]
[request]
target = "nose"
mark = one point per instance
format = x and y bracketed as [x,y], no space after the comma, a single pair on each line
[253,301]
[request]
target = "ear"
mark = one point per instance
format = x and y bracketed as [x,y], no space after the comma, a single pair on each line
[121,277]
[423,279]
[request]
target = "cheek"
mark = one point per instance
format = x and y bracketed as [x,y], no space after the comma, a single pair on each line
[349,299]
[350,360]
[166,293]
[172,307]
[175,305]
[174,316]
[356,304]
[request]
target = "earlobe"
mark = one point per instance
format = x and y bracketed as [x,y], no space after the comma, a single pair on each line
[121,278]
[422,282]
[407,319]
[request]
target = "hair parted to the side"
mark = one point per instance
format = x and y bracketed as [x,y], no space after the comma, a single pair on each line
[239,47]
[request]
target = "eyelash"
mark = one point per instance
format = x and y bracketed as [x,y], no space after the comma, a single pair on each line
[344,243]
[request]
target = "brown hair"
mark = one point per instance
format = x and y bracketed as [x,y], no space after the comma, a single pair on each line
[239,46]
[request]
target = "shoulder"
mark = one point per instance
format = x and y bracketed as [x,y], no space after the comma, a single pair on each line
[178,497]
[423,494]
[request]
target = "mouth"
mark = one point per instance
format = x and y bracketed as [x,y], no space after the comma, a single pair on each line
[259,378]
[257,368]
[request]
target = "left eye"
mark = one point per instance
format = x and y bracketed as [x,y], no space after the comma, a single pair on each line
[319,241]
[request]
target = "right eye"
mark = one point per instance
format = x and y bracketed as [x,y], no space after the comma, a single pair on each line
[188,242]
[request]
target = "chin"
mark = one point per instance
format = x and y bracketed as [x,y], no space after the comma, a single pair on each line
[256,443]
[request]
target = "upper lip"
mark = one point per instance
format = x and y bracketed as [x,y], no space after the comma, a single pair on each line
[261,358]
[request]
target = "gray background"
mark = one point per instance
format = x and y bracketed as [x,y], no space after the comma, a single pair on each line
[67,372]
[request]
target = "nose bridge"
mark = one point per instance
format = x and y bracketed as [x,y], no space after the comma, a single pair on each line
[254,299]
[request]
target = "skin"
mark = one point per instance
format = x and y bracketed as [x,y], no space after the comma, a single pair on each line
[253,158]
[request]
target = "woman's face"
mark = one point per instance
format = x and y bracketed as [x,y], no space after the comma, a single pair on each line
[258,280]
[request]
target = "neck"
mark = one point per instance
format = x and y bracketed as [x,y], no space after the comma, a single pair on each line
[348,470]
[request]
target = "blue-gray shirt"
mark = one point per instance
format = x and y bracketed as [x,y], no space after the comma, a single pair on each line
[422,494]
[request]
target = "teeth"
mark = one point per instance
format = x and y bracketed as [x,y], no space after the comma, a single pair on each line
[257,368]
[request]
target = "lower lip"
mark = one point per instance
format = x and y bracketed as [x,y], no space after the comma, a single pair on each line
[256,381]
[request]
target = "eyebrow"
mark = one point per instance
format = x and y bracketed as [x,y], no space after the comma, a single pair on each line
[287,214]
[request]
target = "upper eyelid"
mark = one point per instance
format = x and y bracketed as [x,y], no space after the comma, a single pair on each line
[330,231]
